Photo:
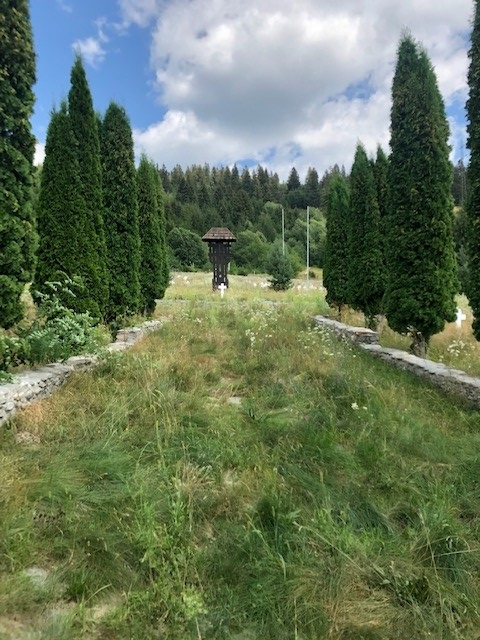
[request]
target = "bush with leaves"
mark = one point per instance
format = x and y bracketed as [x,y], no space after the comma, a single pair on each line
[189,252]
[59,332]
[249,251]
[13,352]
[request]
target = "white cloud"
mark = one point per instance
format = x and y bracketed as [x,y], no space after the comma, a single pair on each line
[181,138]
[282,82]
[91,50]
[39,155]
[102,24]
[64,6]
[139,12]
[458,137]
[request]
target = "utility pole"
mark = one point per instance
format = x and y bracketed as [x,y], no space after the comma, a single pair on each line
[283,231]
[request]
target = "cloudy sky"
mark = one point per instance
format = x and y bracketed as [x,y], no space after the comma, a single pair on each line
[270,82]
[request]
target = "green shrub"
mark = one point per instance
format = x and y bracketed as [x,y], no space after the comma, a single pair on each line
[59,332]
[279,267]
[13,351]
[188,249]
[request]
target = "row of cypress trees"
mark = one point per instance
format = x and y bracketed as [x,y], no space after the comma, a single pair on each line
[355,254]
[98,217]
[390,246]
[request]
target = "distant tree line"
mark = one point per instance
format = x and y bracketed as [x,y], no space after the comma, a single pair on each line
[250,204]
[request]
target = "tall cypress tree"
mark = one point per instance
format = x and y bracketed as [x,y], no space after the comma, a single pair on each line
[165,268]
[59,212]
[17,146]
[87,147]
[420,294]
[473,174]
[151,274]
[366,281]
[120,212]
[335,261]
[380,173]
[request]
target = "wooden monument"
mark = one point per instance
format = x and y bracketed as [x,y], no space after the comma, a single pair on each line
[219,241]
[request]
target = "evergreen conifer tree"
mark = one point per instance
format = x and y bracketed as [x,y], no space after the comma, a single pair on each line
[335,261]
[87,147]
[366,281]
[459,186]
[17,145]
[120,212]
[279,267]
[295,192]
[151,258]
[473,174]
[293,181]
[380,173]
[312,189]
[59,213]
[421,287]
[165,267]
[246,182]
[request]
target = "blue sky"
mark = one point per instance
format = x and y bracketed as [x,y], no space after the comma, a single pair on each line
[122,73]
[265,81]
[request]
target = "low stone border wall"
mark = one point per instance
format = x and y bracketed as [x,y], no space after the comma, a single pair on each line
[29,386]
[358,335]
[449,380]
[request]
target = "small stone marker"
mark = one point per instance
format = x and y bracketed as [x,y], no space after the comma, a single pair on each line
[222,288]
[460,318]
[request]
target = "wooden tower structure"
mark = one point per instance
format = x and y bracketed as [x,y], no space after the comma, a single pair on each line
[219,240]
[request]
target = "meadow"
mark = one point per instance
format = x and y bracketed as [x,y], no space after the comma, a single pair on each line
[239,474]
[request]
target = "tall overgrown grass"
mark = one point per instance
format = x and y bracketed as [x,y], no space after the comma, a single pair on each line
[239,474]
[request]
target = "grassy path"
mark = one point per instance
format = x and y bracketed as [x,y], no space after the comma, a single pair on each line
[241,475]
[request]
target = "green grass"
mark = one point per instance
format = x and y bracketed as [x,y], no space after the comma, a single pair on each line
[239,474]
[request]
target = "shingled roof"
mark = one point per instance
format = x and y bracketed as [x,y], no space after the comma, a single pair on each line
[219,233]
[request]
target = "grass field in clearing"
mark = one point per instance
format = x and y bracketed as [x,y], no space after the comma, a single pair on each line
[454,346]
[241,475]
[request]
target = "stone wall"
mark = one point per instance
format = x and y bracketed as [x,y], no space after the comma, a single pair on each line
[449,380]
[38,383]
[29,386]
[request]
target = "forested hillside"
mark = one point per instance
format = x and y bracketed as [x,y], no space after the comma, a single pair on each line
[249,202]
